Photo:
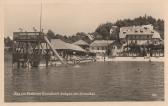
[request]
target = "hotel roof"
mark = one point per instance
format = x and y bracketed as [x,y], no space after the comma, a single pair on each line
[139,30]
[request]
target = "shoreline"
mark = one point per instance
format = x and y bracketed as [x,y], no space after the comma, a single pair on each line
[157,59]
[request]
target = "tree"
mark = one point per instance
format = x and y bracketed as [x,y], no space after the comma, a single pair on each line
[160,27]
[50,34]
[8,42]
[104,30]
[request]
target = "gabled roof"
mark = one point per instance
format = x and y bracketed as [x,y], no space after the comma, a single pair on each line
[81,42]
[101,43]
[61,45]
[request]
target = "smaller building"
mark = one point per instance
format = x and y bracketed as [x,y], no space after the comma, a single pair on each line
[66,49]
[100,47]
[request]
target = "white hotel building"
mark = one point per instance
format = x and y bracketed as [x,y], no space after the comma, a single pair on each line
[141,35]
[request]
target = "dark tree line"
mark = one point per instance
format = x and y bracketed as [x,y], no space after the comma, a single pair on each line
[69,39]
[102,32]
[104,29]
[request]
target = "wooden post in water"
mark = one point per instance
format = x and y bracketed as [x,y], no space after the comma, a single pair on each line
[55,52]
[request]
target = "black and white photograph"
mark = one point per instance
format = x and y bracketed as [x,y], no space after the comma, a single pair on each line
[84,51]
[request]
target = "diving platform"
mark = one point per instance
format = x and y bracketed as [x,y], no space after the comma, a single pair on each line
[28,37]
[28,49]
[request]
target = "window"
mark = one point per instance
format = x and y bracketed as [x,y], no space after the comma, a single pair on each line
[130,37]
[140,37]
[155,42]
[147,41]
[103,48]
[147,36]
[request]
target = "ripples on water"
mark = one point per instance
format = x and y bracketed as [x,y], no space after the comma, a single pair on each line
[110,81]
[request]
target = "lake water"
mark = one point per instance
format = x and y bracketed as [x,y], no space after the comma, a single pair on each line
[99,81]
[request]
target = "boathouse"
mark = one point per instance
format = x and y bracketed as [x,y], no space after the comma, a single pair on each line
[66,50]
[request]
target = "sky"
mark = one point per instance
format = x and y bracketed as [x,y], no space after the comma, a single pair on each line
[68,17]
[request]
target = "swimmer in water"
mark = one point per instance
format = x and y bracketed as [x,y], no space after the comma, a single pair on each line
[76,66]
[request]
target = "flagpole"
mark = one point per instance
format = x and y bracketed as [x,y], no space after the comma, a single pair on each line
[40,16]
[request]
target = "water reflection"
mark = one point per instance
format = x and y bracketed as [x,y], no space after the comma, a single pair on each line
[113,81]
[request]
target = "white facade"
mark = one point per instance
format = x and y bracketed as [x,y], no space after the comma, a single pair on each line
[140,35]
[100,46]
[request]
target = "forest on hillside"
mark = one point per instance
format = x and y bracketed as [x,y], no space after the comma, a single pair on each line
[102,32]
[104,29]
